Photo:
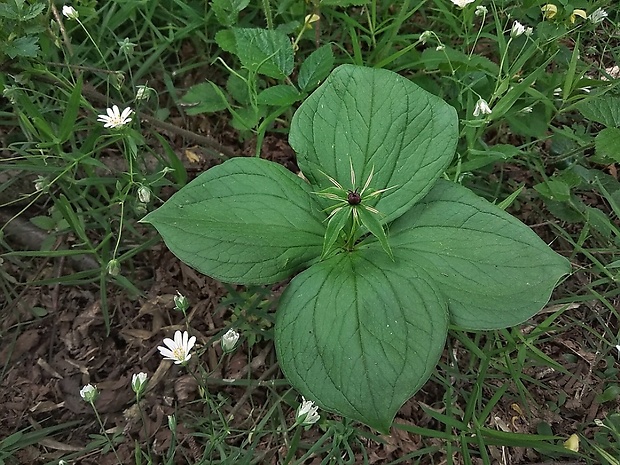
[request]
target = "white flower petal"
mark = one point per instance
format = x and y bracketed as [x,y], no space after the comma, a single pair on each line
[126,112]
[167,353]
[179,348]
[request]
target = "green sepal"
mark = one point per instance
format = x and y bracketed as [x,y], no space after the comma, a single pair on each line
[369,220]
[335,225]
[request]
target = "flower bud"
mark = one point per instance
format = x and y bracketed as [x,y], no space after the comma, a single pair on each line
[229,340]
[180,302]
[89,393]
[144,194]
[138,382]
[517,29]
[113,267]
[70,12]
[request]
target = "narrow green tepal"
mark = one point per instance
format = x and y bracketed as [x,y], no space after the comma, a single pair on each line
[247,221]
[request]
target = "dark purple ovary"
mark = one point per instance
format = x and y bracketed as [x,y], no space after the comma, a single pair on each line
[353,198]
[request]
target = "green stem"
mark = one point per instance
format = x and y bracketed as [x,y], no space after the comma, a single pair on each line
[268,16]
[106,434]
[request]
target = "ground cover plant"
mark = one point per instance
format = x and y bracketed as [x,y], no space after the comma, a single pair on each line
[339,141]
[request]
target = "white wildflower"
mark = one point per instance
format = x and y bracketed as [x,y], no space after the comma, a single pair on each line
[425,36]
[307,413]
[144,92]
[462,3]
[229,340]
[179,348]
[70,12]
[40,183]
[439,48]
[517,29]
[482,108]
[144,194]
[126,46]
[481,10]
[113,267]
[114,117]
[597,16]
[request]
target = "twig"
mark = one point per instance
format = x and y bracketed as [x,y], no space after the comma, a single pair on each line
[63,31]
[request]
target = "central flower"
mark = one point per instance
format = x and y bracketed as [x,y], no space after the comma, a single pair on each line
[351,210]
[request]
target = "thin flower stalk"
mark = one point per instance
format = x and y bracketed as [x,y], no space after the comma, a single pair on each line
[90,393]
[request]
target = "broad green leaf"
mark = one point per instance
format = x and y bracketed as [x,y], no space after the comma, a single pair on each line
[607,143]
[23,47]
[374,118]
[554,189]
[246,221]
[599,221]
[279,96]
[315,68]
[205,97]
[359,334]
[247,117]
[494,270]
[263,51]
[227,11]
[226,40]
[33,11]
[604,110]
[237,88]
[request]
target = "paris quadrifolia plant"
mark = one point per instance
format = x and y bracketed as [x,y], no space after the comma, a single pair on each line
[382,268]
